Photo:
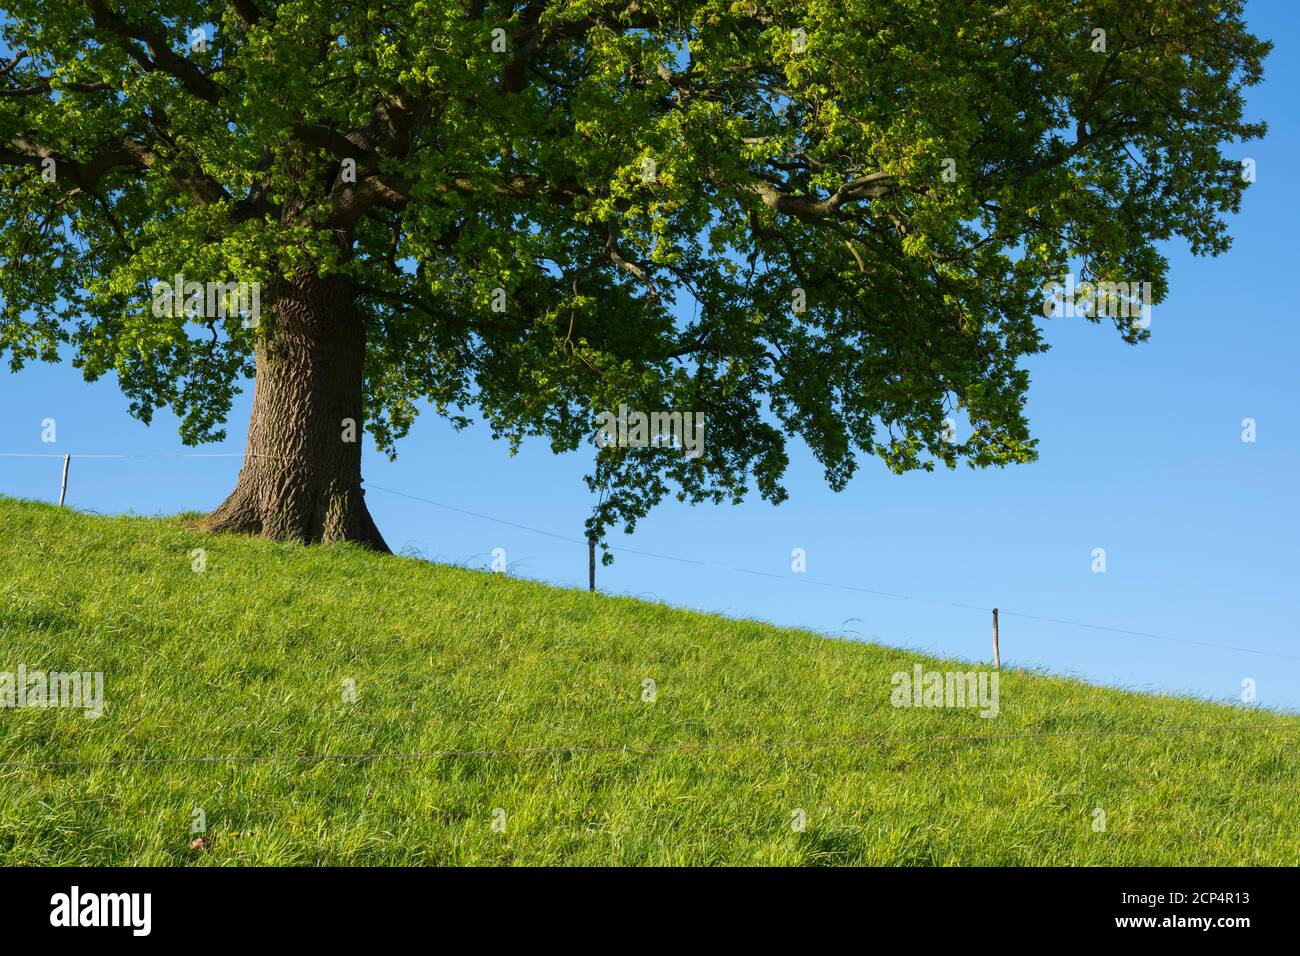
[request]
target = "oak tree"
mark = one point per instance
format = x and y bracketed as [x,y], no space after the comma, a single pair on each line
[826,219]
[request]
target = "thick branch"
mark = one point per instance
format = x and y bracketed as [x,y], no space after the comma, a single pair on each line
[161,57]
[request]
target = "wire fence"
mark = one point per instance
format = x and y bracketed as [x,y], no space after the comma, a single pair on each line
[788,579]
[802,579]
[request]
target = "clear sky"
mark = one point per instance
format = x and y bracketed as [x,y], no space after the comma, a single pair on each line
[1141,454]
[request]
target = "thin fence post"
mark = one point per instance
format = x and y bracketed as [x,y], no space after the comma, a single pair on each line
[63,485]
[997,655]
[591,564]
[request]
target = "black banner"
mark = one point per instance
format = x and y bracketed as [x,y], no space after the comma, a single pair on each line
[943,906]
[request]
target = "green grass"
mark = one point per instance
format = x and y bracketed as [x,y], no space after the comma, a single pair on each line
[250,657]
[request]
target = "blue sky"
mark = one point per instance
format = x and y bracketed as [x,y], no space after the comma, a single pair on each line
[1141,454]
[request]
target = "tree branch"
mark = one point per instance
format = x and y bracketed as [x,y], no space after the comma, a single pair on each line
[161,57]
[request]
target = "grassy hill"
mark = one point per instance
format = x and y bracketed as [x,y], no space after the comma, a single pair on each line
[751,723]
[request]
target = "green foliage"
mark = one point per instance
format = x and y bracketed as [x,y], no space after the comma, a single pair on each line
[249,658]
[795,146]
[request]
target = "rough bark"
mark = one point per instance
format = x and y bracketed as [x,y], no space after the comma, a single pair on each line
[301,478]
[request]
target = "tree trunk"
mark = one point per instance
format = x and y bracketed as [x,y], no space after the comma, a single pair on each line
[301,479]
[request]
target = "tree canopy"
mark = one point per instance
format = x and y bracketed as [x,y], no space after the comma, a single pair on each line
[830,219]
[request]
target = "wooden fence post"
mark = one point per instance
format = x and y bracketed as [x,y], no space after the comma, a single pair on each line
[591,564]
[63,485]
[997,655]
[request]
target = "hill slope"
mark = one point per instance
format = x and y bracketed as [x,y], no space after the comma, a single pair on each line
[750,724]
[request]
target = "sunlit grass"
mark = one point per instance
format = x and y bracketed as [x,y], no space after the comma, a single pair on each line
[251,657]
